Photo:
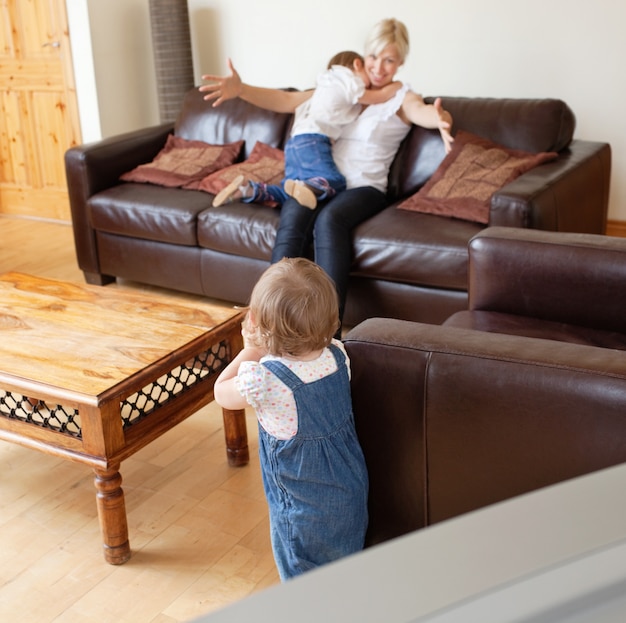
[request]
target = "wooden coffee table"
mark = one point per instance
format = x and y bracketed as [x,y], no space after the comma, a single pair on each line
[93,374]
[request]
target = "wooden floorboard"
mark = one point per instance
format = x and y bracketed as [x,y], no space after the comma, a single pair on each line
[198,528]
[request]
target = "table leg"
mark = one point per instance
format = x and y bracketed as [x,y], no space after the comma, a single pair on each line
[236,433]
[112,515]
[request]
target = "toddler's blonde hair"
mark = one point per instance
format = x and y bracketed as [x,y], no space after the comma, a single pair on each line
[295,308]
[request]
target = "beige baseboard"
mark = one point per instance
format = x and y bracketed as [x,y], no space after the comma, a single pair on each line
[616,228]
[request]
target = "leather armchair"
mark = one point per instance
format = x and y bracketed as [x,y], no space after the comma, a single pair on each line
[558,286]
[525,389]
[452,420]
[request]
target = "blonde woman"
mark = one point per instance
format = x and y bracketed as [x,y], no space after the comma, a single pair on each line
[363,153]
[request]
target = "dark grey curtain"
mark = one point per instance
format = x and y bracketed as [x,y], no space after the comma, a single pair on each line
[171,43]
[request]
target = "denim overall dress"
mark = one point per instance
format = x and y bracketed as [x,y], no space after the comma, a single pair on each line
[315,483]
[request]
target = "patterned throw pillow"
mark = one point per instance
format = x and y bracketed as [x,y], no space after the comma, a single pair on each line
[469,175]
[265,164]
[184,162]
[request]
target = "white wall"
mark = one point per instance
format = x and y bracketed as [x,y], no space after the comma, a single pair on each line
[568,49]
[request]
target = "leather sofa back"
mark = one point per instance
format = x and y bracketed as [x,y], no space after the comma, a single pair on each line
[529,124]
[233,120]
[533,125]
[451,420]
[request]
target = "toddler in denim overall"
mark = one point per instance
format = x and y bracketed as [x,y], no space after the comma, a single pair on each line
[296,376]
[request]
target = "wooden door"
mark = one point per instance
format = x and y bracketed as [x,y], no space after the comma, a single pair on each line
[39,119]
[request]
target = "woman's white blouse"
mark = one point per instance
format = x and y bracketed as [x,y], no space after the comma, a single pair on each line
[367,146]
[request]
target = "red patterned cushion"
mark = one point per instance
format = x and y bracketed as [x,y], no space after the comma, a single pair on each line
[469,175]
[184,163]
[265,164]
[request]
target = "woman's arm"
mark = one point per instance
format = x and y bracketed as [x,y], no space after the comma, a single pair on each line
[228,87]
[415,110]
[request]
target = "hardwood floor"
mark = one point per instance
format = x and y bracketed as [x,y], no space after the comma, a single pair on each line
[198,528]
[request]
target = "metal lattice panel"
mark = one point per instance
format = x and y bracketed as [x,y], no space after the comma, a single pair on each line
[172,384]
[54,417]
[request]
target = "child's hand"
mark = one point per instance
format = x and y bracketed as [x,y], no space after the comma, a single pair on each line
[249,340]
[250,333]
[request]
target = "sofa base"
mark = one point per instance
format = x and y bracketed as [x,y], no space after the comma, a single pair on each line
[368,298]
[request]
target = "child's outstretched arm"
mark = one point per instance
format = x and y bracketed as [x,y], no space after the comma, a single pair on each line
[378,96]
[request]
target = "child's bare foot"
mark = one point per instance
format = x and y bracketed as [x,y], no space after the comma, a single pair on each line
[234,191]
[302,193]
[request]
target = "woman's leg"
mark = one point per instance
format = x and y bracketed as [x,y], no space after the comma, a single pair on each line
[295,230]
[333,233]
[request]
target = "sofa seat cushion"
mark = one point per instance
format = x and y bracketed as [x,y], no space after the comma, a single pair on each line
[414,248]
[149,212]
[512,324]
[248,230]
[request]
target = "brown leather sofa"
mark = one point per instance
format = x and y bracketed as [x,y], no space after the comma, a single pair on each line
[406,265]
[524,390]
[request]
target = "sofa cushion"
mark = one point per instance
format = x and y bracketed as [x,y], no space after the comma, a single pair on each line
[233,120]
[418,157]
[532,125]
[266,164]
[413,248]
[465,181]
[184,163]
[242,229]
[148,212]
[513,324]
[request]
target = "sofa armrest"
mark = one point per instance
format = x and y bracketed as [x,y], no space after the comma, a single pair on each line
[389,421]
[569,194]
[96,166]
[577,279]
[451,420]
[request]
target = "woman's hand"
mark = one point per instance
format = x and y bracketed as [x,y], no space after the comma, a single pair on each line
[434,116]
[228,87]
[444,125]
[223,87]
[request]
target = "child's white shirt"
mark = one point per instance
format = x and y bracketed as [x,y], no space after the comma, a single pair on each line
[334,103]
[368,145]
[272,400]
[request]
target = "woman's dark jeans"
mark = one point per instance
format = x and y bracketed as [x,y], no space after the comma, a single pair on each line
[330,228]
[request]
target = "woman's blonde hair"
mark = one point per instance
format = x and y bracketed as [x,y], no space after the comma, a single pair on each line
[295,308]
[386,32]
